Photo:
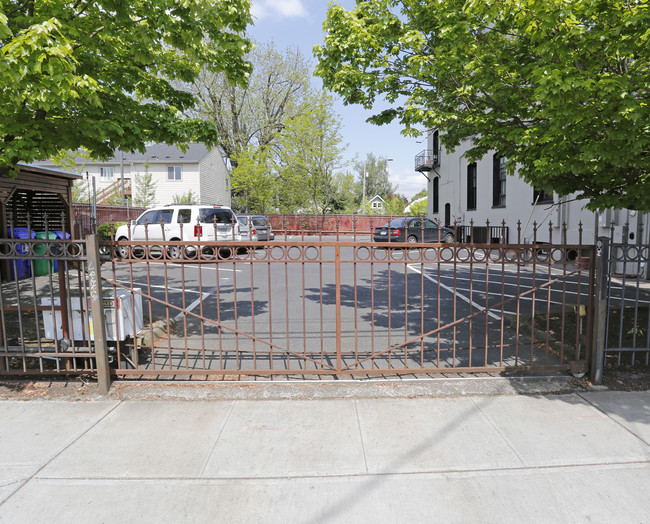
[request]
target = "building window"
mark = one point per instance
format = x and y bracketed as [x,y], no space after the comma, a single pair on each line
[471,186]
[542,197]
[376,205]
[436,148]
[436,193]
[175,173]
[106,173]
[498,181]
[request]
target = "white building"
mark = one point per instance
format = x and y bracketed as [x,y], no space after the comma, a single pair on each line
[199,169]
[460,191]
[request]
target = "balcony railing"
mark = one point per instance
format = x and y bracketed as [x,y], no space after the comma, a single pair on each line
[426,160]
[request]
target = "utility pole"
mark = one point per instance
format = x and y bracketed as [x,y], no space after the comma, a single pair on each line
[122,176]
[363,208]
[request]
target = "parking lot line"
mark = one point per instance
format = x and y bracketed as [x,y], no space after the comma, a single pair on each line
[453,291]
[195,303]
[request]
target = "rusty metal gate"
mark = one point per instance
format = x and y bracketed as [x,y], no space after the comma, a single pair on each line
[305,306]
[310,306]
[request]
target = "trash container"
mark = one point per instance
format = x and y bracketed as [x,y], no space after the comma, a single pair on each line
[20,268]
[42,267]
[60,235]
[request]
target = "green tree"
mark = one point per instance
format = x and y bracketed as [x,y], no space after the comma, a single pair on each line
[347,195]
[75,161]
[100,74]
[145,188]
[395,205]
[253,183]
[419,208]
[251,117]
[186,198]
[559,88]
[310,150]
[377,182]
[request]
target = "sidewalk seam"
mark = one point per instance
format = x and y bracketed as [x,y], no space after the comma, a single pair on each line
[445,473]
[63,450]
[216,440]
[613,419]
[363,445]
[493,424]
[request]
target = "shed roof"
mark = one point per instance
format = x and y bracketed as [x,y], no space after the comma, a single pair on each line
[53,172]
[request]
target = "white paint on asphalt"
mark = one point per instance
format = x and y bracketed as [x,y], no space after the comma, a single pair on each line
[195,303]
[412,267]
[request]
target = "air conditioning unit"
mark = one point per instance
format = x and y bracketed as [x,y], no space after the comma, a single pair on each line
[122,316]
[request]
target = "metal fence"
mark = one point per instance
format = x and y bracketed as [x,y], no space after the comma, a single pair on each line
[624,310]
[317,305]
[85,221]
[47,283]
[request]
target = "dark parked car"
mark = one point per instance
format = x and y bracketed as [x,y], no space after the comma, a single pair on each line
[413,229]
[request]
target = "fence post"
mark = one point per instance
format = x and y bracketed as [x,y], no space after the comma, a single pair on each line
[600,310]
[98,321]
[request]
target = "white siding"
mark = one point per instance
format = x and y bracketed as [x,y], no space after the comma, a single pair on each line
[519,204]
[214,179]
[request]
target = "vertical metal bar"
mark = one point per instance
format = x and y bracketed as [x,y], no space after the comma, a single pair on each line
[549,278]
[99,327]
[199,266]
[608,266]
[438,278]
[372,312]
[534,295]
[579,301]
[322,321]
[304,309]
[337,265]
[268,271]
[406,311]
[421,309]
[252,308]
[390,310]
[356,304]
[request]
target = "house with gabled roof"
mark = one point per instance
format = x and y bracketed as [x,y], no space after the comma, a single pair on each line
[198,169]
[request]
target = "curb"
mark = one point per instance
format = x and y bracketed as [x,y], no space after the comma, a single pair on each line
[297,390]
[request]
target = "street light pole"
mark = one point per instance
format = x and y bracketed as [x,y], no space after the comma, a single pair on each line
[363,208]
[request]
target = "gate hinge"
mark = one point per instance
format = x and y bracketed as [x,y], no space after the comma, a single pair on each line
[578,367]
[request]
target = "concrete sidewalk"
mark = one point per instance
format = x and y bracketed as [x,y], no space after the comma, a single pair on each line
[578,457]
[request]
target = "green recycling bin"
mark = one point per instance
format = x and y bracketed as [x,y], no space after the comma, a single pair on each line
[42,267]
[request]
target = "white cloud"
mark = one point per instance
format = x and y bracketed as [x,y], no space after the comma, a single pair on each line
[278,9]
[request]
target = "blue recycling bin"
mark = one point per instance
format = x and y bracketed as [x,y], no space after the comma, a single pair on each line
[20,268]
[60,235]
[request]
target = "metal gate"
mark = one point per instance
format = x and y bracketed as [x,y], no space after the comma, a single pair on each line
[297,306]
[623,304]
[317,307]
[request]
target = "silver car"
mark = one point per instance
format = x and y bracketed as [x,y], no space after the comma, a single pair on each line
[255,228]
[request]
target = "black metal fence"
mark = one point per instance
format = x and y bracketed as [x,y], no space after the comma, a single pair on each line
[626,299]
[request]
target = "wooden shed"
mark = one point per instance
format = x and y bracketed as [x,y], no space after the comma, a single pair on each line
[37,194]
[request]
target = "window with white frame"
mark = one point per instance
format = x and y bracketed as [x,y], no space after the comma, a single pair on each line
[106,173]
[376,205]
[175,173]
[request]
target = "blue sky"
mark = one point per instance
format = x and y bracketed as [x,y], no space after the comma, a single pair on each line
[299,23]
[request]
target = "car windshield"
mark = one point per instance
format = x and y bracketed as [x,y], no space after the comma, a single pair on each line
[220,216]
[243,220]
[397,222]
[259,222]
